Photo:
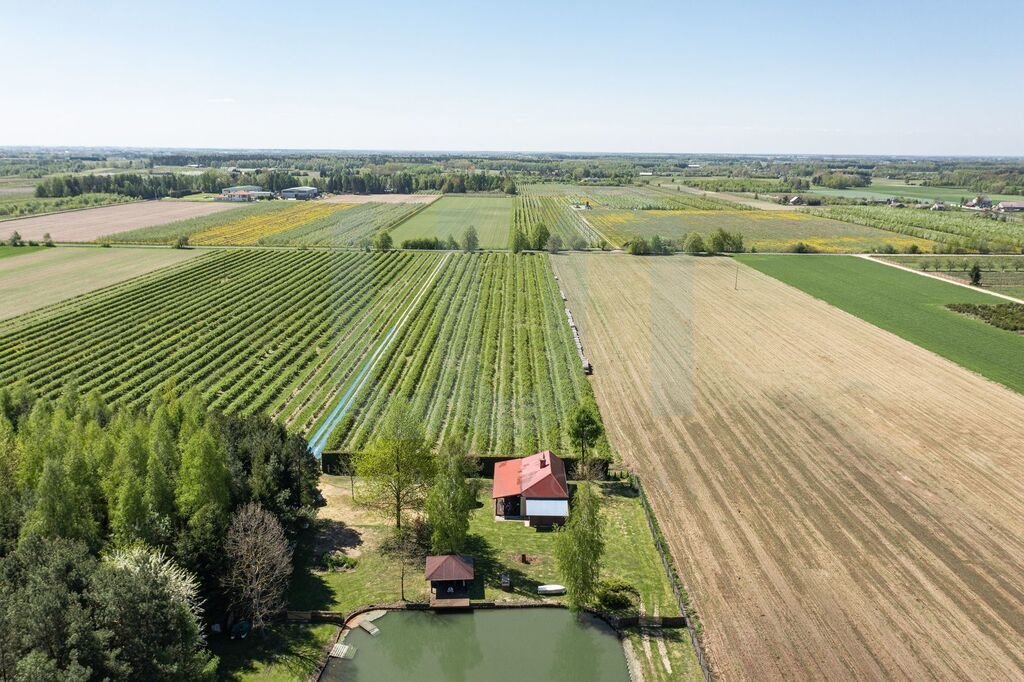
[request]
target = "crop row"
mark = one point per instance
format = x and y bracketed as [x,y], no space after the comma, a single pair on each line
[351,227]
[253,229]
[168,233]
[252,330]
[489,352]
[556,214]
[958,228]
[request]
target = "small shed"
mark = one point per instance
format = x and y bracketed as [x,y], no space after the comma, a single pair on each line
[450,576]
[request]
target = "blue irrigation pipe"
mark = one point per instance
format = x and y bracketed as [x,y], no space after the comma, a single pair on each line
[319,439]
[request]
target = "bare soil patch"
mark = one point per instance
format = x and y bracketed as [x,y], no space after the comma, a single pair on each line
[842,504]
[88,224]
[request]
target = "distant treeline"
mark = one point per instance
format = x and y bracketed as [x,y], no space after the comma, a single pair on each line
[177,184]
[1001,181]
[841,180]
[347,182]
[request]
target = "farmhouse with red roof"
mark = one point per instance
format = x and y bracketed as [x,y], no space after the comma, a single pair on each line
[531,489]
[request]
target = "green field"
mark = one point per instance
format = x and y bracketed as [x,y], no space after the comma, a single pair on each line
[41,279]
[958,229]
[763,230]
[20,206]
[252,330]
[1001,274]
[11,251]
[489,349]
[882,188]
[907,305]
[354,226]
[450,216]
[479,340]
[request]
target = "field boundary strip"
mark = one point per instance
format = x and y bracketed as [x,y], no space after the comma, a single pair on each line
[318,441]
[678,588]
[407,217]
[940,278]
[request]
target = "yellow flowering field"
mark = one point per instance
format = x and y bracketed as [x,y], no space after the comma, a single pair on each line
[251,229]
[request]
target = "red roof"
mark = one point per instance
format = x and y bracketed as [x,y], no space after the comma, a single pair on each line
[449,567]
[538,476]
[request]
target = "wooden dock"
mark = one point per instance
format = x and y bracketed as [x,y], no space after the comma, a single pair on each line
[456,603]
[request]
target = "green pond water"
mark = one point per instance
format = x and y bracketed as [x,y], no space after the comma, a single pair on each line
[549,645]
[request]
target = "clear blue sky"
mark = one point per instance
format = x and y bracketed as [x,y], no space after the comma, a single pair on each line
[905,77]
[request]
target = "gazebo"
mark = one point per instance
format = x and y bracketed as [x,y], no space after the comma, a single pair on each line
[450,576]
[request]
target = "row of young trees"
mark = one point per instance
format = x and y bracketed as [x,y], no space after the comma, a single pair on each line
[719,241]
[401,475]
[207,501]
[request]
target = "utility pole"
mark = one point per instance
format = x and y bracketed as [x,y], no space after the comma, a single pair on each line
[736,282]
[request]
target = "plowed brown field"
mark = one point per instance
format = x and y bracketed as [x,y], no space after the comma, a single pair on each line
[88,224]
[841,503]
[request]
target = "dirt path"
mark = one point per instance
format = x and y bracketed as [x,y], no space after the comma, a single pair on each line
[841,503]
[941,278]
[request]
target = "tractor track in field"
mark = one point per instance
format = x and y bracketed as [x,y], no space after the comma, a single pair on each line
[840,503]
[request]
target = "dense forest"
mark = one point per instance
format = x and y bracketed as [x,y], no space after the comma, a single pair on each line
[113,527]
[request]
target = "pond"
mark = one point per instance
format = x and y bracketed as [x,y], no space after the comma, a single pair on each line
[498,644]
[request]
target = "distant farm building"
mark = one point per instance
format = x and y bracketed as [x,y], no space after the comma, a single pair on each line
[531,489]
[300,193]
[796,201]
[241,188]
[245,195]
[1010,206]
[450,576]
[978,202]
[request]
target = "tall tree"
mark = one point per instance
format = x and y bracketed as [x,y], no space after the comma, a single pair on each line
[584,428]
[46,625]
[470,240]
[60,510]
[518,240]
[541,234]
[554,244]
[579,547]
[203,478]
[151,610]
[129,518]
[260,564]
[450,500]
[397,465]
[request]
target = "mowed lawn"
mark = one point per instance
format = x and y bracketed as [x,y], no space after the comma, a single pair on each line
[908,305]
[43,276]
[450,216]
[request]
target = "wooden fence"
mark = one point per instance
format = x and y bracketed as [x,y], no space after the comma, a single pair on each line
[682,600]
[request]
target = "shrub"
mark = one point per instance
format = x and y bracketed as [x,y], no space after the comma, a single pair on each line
[617,595]
[694,243]
[800,247]
[337,561]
